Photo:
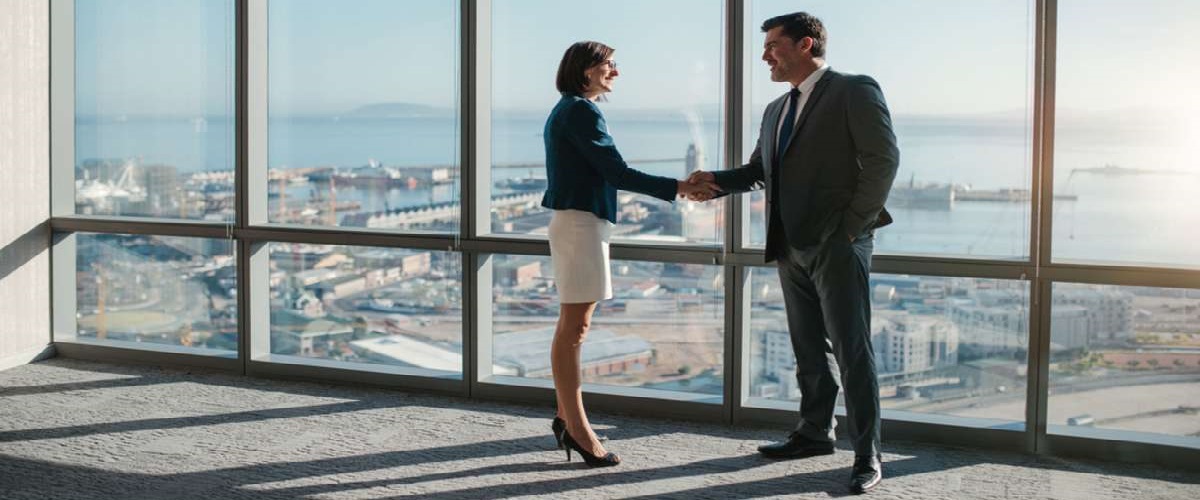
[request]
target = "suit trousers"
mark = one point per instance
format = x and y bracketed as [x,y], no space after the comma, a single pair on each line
[827,295]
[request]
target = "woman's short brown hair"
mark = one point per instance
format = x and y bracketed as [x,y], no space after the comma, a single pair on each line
[578,58]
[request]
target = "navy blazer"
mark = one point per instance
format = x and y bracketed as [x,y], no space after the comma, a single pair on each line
[584,169]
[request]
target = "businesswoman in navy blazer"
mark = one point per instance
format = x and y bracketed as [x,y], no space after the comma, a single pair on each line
[584,172]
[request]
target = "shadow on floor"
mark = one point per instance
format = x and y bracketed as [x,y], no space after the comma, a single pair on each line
[405,471]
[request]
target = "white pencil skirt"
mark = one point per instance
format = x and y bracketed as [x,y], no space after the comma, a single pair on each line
[579,250]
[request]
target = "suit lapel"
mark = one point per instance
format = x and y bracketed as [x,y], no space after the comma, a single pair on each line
[809,105]
[774,113]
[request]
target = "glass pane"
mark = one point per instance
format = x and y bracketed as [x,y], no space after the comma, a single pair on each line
[962,116]
[163,290]
[154,130]
[1125,359]
[664,113]
[946,346]
[663,329]
[384,306]
[363,105]
[1126,175]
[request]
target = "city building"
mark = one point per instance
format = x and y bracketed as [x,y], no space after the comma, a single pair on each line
[519,274]
[1109,312]
[526,353]
[339,287]
[297,258]
[305,336]
[909,344]
[989,329]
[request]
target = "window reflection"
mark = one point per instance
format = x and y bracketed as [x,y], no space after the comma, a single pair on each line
[663,329]
[949,346]
[965,136]
[367,305]
[169,291]
[1127,359]
[356,137]
[664,112]
[154,132]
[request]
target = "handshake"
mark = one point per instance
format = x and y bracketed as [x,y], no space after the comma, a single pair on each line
[700,186]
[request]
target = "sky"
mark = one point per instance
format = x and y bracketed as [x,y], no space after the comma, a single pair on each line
[936,57]
[153,56]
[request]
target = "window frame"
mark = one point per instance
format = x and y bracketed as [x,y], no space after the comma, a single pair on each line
[475,243]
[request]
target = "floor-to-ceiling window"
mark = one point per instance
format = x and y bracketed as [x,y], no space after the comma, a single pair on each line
[342,188]
[1124,357]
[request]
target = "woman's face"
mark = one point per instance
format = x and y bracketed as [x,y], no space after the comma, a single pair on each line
[600,77]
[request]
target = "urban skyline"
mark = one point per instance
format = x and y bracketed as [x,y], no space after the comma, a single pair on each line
[356,140]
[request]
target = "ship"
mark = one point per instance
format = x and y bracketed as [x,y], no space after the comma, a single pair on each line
[1115,170]
[375,174]
[1112,170]
[527,183]
[931,195]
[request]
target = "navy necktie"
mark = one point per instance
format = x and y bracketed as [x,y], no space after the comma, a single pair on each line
[789,122]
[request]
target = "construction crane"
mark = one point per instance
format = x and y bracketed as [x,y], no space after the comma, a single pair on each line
[101,285]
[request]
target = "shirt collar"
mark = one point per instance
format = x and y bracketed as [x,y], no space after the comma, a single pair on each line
[807,85]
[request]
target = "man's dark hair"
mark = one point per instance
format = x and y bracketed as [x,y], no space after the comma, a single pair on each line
[578,58]
[798,25]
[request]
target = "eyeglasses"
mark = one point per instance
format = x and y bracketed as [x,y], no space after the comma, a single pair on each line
[611,64]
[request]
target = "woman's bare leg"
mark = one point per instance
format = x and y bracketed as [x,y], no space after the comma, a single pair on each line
[573,323]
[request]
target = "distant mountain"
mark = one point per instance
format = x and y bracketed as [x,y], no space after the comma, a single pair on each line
[395,110]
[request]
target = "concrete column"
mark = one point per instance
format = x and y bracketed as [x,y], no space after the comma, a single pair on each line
[24,181]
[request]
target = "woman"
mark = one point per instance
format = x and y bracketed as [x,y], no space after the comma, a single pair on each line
[584,172]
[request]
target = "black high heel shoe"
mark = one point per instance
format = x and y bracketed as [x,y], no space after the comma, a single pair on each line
[559,426]
[608,460]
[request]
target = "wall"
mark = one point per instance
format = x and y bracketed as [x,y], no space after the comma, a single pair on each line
[24,181]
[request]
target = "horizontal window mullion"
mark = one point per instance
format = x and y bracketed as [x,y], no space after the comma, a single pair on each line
[506,246]
[341,236]
[950,267]
[1123,275]
[139,225]
[934,266]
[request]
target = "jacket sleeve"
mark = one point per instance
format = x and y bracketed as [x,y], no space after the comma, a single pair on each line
[589,133]
[875,147]
[748,177]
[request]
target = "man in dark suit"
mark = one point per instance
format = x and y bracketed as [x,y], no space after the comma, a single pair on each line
[826,156]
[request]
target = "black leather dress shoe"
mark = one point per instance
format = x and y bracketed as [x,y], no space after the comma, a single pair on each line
[796,446]
[867,473]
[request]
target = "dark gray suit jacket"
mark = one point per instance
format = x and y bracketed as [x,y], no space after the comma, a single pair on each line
[837,170]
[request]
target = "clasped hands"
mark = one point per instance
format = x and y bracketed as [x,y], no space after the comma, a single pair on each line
[699,186]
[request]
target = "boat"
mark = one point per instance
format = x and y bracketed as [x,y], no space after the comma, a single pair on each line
[1110,169]
[527,183]
[929,195]
[1115,170]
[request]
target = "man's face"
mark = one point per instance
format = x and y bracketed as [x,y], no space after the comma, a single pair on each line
[783,54]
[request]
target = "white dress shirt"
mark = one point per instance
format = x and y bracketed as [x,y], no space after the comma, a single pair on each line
[805,88]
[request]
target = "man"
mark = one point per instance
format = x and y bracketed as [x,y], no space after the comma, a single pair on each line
[827,157]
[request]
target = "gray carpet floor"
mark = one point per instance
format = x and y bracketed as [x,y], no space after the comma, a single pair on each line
[75,429]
